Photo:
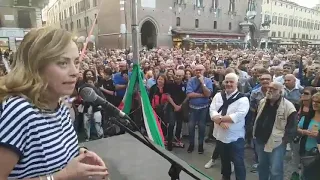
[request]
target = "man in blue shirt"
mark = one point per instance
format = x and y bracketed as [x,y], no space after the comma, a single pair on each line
[120,80]
[199,89]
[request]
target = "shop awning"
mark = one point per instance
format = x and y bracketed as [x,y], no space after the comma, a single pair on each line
[205,32]
[199,41]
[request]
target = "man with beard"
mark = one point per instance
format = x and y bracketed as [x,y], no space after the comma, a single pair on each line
[228,110]
[274,126]
[177,96]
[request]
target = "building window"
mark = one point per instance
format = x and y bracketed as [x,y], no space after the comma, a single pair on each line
[79,23]
[304,24]
[87,4]
[67,27]
[22,3]
[279,34]
[86,21]
[307,36]
[214,24]
[295,23]
[312,26]
[308,25]
[274,19]
[280,21]
[232,6]
[300,24]
[294,35]
[230,26]
[71,26]
[289,35]
[70,11]
[178,21]
[284,34]
[94,3]
[196,23]
[303,36]
[199,3]
[24,20]
[273,34]
[285,21]
[65,14]
[267,17]
[215,4]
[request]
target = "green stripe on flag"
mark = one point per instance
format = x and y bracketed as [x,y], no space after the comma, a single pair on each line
[130,91]
[148,112]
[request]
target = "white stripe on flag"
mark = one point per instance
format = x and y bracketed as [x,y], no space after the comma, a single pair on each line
[146,121]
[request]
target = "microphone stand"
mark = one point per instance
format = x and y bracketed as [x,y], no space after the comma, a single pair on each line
[175,168]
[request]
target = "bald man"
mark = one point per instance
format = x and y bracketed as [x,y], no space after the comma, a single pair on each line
[291,91]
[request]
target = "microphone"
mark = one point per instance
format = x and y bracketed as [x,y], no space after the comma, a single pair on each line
[89,95]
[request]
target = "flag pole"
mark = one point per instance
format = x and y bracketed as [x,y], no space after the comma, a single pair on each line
[135,31]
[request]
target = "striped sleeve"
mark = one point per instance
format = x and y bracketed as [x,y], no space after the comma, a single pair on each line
[14,124]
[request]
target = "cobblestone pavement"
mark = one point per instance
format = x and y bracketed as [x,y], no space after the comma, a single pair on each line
[199,160]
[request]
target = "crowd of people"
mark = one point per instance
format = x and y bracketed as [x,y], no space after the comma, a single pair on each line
[264,100]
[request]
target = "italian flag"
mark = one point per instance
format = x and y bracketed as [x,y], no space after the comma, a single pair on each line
[151,121]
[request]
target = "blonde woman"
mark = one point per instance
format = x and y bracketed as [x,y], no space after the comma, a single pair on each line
[37,139]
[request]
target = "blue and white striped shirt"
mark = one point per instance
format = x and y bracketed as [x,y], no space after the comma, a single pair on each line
[44,142]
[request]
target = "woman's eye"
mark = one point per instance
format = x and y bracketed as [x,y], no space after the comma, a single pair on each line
[62,63]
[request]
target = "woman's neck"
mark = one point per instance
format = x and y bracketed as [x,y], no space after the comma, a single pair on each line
[306,103]
[317,116]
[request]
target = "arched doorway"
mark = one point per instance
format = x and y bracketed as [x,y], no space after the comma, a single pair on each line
[148,35]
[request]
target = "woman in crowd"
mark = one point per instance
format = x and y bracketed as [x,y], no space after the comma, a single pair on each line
[92,112]
[37,139]
[309,127]
[305,109]
[170,75]
[185,106]
[159,99]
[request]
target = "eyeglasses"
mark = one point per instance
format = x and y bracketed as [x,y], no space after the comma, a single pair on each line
[306,93]
[265,79]
[316,102]
[272,88]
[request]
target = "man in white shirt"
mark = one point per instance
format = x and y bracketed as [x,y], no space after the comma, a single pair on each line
[228,110]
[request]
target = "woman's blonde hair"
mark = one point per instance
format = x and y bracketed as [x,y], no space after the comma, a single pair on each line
[38,48]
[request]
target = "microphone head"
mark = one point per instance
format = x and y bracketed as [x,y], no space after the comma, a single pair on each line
[88,94]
